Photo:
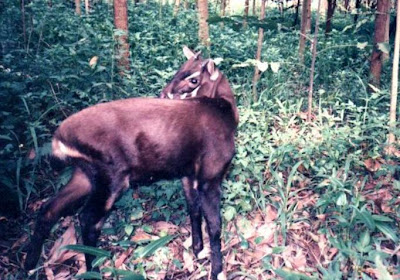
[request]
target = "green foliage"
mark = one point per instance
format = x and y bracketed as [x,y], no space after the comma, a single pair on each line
[66,62]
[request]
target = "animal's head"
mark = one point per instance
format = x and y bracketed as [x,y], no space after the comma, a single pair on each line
[196,77]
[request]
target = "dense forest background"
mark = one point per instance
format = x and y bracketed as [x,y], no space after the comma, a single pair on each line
[313,191]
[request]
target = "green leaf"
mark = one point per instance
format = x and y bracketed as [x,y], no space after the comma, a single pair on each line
[380,218]
[90,275]
[262,66]
[99,261]
[384,47]
[361,46]
[289,275]
[229,213]
[150,248]
[88,250]
[366,217]
[341,200]
[129,275]
[387,231]
[218,60]
[383,273]
[275,66]
[365,239]
[128,229]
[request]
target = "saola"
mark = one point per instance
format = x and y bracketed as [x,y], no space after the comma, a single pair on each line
[139,140]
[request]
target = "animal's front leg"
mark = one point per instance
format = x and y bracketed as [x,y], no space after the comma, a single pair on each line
[210,196]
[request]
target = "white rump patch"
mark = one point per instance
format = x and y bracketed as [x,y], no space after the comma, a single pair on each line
[62,151]
[170,95]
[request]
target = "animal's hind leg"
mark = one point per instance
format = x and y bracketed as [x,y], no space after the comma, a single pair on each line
[65,203]
[106,191]
[190,187]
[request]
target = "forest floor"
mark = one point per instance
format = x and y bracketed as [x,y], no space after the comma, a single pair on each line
[253,245]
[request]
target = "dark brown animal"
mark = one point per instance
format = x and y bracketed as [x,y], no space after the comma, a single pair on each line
[143,140]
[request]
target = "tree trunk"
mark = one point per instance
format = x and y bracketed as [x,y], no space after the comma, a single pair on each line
[203,25]
[246,13]
[254,7]
[223,8]
[186,4]
[78,7]
[121,24]
[358,6]
[314,56]
[395,77]
[346,5]
[23,21]
[385,56]
[176,7]
[258,54]
[308,23]
[329,16]
[304,29]
[380,31]
[87,7]
[296,14]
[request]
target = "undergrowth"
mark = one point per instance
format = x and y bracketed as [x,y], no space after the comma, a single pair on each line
[334,192]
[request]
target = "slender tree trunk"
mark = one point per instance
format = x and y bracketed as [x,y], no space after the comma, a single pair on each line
[203,25]
[380,31]
[329,16]
[186,4]
[346,5]
[385,56]
[308,23]
[358,6]
[296,14]
[23,21]
[87,7]
[254,8]
[121,24]
[78,7]
[176,7]
[395,77]
[314,56]
[246,13]
[258,54]
[304,29]
[222,11]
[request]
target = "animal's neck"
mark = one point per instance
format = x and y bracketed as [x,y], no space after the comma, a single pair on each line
[221,89]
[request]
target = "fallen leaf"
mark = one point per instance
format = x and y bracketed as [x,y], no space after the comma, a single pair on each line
[372,165]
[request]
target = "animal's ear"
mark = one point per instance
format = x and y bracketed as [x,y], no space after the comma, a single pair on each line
[211,69]
[189,53]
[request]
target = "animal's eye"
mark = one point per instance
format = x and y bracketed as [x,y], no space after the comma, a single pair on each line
[193,81]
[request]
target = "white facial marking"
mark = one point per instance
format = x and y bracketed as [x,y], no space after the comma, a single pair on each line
[183,96]
[170,95]
[195,74]
[194,92]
